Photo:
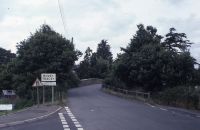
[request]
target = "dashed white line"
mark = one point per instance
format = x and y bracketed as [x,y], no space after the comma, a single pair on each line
[66,128]
[63,121]
[78,126]
[74,120]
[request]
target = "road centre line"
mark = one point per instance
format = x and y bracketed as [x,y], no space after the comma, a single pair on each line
[74,120]
[63,121]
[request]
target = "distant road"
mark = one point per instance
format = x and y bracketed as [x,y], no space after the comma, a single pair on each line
[97,110]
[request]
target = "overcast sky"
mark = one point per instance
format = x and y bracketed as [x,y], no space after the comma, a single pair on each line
[90,21]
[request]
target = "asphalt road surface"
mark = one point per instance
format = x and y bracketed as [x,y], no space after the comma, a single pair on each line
[93,109]
[97,110]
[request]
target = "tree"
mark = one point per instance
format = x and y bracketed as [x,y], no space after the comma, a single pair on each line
[103,51]
[84,70]
[96,64]
[147,63]
[45,51]
[176,41]
[6,56]
[101,61]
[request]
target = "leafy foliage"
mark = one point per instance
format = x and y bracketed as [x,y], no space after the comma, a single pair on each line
[153,65]
[5,56]
[45,51]
[96,64]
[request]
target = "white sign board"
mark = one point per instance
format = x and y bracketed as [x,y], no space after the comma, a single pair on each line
[4,107]
[48,77]
[49,83]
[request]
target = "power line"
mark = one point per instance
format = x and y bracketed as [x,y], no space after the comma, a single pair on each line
[62,17]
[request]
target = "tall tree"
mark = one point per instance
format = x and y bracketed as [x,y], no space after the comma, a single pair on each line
[84,69]
[96,64]
[103,51]
[45,51]
[149,64]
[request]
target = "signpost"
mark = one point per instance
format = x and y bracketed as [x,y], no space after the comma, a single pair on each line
[37,84]
[49,79]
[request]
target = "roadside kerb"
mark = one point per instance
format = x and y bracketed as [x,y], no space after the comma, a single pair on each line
[28,120]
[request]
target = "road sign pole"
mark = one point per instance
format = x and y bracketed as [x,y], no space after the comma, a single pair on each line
[52,87]
[38,101]
[43,94]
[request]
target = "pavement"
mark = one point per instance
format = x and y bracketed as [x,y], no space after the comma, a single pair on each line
[28,115]
[89,108]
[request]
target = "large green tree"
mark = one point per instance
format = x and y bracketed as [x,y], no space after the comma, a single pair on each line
[45,51]
[148,63]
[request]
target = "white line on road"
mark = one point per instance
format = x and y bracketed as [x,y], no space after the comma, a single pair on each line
[74,120]
[150,105]
[64,122]
[163,109]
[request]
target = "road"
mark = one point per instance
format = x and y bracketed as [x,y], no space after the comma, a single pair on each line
[93,109]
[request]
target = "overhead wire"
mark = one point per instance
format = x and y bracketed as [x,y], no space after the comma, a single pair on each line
[62,17]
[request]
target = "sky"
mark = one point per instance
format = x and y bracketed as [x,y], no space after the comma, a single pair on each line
[90,21]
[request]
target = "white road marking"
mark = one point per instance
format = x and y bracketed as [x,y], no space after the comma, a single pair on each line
[78,126]
[74,120]
[64,122]
[163,109]
[150,105]
[66,126]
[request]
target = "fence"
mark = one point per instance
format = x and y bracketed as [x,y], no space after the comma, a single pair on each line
[127,93]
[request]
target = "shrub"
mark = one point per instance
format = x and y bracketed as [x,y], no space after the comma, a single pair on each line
[182,96]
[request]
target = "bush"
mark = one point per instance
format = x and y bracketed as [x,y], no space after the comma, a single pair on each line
[113,81]
[22,103]
[182,96]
